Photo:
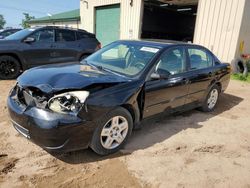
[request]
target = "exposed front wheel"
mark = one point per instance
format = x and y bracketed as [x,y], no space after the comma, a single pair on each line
[9,67]
[211,99]
[112,132]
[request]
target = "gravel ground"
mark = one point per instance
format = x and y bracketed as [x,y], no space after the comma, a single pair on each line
[192,149]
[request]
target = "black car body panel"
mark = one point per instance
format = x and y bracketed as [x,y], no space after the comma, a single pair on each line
[65,77]
[140,95]
[61,49]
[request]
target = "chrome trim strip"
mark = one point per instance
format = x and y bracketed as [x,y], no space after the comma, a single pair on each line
[57,147]
[21,127]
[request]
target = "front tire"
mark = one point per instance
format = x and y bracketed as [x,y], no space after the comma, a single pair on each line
[211,100]
[112,132]
[9,67]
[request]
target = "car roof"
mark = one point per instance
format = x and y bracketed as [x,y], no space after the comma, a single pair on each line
[58,27]
[161,43]
[11,29]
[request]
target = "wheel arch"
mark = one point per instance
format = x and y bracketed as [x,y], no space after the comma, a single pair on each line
[212,84]
[15,56]
[136,108]
[219,85]
[135,114]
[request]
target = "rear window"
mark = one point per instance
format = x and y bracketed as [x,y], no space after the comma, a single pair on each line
[65,35]
[84,35]
[199,59]
[6,33]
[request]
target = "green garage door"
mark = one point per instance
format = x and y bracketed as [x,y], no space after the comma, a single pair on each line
[108,24]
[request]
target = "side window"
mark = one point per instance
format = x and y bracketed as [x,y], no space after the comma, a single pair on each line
[46,35]
[173,61]
[82,35]
[65,35]
[199,59]
[7,33]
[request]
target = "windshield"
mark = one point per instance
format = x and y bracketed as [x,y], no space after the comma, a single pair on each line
[123,57]
[20,34]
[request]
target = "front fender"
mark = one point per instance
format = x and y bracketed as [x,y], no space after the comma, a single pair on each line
[102,102]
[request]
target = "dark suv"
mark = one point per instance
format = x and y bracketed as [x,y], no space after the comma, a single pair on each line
[44,45]
[6,32]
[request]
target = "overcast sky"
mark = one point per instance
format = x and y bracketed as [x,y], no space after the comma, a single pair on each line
[12,9]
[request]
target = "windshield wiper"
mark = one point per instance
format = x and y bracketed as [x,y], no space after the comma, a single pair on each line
[101,68]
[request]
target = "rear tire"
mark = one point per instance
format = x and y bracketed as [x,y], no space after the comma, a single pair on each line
[211,100]
[112,132]
[9,67]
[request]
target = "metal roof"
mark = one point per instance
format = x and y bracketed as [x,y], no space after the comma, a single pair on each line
[73,15]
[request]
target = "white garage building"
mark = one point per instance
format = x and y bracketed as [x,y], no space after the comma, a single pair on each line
[220,25]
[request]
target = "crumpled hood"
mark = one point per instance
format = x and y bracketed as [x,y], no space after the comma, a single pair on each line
[66,76]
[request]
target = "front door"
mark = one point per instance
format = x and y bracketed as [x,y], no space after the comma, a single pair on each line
[40,51]
[171,92]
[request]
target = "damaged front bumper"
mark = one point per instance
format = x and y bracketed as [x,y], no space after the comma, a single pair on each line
[50,130]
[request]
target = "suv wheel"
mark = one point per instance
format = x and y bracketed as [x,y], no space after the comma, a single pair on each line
[9,67]
[112,132]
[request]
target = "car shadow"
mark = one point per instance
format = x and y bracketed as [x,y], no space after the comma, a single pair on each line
[155,130]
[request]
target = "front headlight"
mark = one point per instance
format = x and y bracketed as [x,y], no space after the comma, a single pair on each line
[70,102]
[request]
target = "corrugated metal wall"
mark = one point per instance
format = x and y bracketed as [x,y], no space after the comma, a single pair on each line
[244,36]
[218,26]
[130,22]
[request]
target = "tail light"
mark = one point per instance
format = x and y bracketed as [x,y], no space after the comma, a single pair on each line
[99,46]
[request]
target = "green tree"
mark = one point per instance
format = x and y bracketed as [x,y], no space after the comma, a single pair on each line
[26,19]
[2,21]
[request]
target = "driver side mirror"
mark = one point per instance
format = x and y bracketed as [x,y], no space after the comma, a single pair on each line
[159,76]
[29,40]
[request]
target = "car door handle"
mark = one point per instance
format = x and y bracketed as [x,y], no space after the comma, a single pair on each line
[185,80]
[52,46]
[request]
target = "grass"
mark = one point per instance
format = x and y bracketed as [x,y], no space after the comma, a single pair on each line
[240,77]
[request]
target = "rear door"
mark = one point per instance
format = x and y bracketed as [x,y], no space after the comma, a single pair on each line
[167,94]
[66,47]
[40,51]
[200,74]
[87,43]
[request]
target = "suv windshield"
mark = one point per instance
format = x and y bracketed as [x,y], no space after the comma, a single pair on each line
[123,57]
[20,34]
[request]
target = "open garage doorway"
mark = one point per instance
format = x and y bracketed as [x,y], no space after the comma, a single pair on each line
[169,19]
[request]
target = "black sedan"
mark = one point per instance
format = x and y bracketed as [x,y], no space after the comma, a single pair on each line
[43,45]
[98,102]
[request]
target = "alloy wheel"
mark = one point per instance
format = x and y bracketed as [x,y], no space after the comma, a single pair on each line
[212,99]
[114,132]
[8,68]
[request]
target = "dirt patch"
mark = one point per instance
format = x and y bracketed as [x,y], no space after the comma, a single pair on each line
[7,165]
[3,155]
[106,175]
[209,149]
[169,151]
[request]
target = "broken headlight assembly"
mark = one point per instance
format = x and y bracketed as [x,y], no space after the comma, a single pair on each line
[68,103]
